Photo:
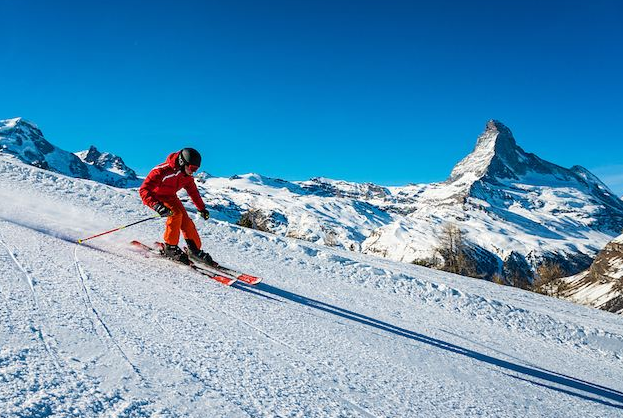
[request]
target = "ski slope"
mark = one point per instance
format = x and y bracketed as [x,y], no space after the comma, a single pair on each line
[100,330]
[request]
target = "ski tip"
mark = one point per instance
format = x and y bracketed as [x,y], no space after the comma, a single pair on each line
[249,279]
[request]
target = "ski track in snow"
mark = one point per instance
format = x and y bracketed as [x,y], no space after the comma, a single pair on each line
[101,330]
[38,329]
[84,277]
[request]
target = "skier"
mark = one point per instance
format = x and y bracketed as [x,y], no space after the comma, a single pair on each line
[159,192]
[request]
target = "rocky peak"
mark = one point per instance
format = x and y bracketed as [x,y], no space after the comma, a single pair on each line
[106,161]
[21,137]
[497,137]
[495,150]
[497,157]
[92,155]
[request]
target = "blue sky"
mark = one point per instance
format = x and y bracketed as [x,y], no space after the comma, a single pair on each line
[390,92]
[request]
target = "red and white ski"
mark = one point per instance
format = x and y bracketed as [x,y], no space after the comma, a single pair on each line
[246,278]
[214,275]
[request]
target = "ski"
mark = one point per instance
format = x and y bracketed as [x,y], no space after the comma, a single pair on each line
[245,278]
[214,275]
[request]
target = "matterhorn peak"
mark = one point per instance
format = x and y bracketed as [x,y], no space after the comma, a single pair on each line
[496,152]
[498,136]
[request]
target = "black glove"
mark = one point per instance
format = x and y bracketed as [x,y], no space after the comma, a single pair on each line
[204,214]
[162,210]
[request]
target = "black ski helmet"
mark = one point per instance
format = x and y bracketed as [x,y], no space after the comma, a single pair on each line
[189,156]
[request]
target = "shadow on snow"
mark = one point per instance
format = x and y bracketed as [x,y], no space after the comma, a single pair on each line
[547,379]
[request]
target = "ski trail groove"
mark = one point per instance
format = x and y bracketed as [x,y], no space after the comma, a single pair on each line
[36,329]
[305,358]
[198,306]
[195,310]
[84,276]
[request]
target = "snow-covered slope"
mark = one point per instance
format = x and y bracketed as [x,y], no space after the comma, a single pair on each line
[24,140]
[99,330]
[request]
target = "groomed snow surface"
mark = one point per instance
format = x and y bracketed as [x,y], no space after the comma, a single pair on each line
[100,330]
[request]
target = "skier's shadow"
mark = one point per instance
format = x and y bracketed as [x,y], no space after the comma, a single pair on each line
[547,379]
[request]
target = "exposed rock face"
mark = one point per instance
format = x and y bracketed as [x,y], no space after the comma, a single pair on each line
[516,269]
[267,222]
[600,286]
[327,187]
[608,265]
[501,169]
[24,140]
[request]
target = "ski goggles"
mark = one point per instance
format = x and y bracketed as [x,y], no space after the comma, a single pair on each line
[193,168]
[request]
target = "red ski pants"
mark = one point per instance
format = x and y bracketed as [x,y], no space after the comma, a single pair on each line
[179,221]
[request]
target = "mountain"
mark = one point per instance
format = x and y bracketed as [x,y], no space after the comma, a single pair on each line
[98,330]
[508,202]
[109,163]
[600,286]
[515,209]
[26,141]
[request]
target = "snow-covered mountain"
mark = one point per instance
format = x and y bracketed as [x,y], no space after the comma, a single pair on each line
[98,330]
[600,286]
[510,202]
[515,209]
[110,164]
[24,140]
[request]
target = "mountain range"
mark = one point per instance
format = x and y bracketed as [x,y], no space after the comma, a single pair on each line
[26,141]
[514,209]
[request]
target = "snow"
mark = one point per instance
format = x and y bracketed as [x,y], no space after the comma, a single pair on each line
[100,330]
[532,219]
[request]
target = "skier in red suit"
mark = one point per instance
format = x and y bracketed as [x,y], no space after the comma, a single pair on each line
[159,192]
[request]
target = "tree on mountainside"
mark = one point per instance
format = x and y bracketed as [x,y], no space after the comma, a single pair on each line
[548,281]
[453,252]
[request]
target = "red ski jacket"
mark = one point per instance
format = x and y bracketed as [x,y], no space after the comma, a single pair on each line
[165,180]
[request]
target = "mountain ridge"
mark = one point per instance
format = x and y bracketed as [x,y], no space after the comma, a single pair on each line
[25,140]
[515,209]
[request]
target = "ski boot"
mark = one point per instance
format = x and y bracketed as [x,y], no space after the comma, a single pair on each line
[175,253]
[200,256]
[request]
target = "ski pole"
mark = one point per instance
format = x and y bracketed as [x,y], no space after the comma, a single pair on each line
[80,241]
